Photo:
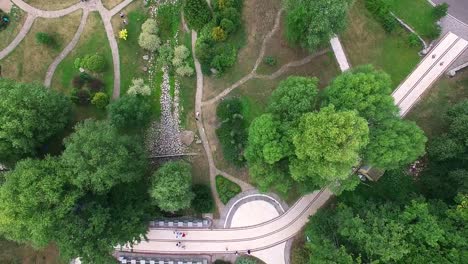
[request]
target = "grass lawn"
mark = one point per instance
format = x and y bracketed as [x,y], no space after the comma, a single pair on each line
[366,42]
[17,18]
[131,55]
[429,112]
[417,14]
[13,253]
[30,60]
[51,4]
[93,40]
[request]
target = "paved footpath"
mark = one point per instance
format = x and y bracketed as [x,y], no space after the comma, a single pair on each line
[87,6]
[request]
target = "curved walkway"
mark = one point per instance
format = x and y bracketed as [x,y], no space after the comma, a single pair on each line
[88,6]
[66,51]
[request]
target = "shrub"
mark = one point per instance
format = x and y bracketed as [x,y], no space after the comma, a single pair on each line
[77,63]
[139,87]
[181,53]
[45,39]
[185,71]
[80,96]
[78,82]
[381,10]
[149,42]
[226,189]
[197,13]
[166,54]
[435,32]
[440,11]
[100,100]
[226,56]
[232,14]
[413,40]
[85,76]
[270,60]
[223,4]
[94,63]
[95,85]
[218,34]
[203,201]
[150,26]
[227,25]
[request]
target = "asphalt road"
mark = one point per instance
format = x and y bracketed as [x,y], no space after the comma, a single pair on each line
[457,8]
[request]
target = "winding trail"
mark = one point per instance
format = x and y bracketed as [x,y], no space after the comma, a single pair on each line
[87,7]
[66,51]
[21,35]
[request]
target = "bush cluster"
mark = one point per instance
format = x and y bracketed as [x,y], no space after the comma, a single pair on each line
[197,13]
[226,189]
[213,47]
[232,132]
[381,10]
[148,39]
[45,39]
[440,11]
[85,88]
[95,63]
[203,201]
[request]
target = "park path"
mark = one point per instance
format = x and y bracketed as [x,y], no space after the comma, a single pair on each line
[67,50]
[87,7]
[21,35]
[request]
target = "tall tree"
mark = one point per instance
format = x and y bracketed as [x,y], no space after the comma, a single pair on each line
[97,158]
[171,186]
[327,145]
[313,23]
[197,13]
[365,90]
[30,114]
[293,97]
[130,112]
[395,143]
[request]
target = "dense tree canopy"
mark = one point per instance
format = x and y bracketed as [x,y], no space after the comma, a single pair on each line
[294,97]
[97,157]
[327,145]
[87,201]
[171,186]
[131,112]
[197,13]
[30,114]
[365,90]
[313,23]
[395,143]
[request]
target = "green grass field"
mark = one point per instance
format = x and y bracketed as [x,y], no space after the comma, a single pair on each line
[418,14]
[366,42]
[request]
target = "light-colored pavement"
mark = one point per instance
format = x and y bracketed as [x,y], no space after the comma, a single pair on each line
[241,239]
[66,51]
[339,54]
[428,71]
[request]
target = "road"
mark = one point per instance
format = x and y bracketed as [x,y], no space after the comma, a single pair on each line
[457,8]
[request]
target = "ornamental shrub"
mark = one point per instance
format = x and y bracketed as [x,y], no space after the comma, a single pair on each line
[413,40]
[139,87]
[100,100]
[203,201]
[95,85]
[78,82]
[166,53]
[227,25]
[45,39]
[226,56]
[149,42]
[150,26]
[94,63]
[440,11]
[185,71]
[80,96]
[218,34]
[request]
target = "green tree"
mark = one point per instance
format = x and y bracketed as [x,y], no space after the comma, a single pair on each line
[395,143]
[149,42]
[30,114]
[313,23]
[97,157]
[130,112]
[327,145]
[293,97]
[150,26]
[197,13]
[218,34]
[100,100]
[365,90]
[94,63]
[171,186]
